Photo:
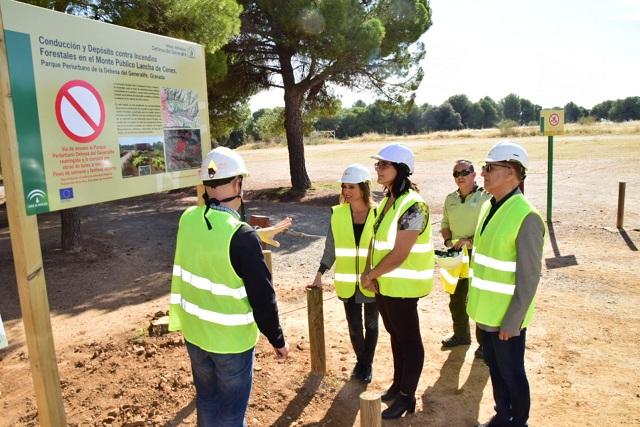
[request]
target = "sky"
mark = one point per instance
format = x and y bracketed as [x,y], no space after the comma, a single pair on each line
[550,52]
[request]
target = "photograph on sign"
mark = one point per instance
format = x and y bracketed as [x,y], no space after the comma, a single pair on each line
[141,151]
[183,149]
[103,112]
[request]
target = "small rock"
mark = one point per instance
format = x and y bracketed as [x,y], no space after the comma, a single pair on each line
[159,326]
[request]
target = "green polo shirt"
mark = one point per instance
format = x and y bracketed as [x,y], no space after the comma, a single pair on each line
[461,215]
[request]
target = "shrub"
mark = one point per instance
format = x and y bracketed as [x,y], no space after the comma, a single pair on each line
[508,127]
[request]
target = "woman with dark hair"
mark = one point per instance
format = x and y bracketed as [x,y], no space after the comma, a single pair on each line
[400,271]
[347,245]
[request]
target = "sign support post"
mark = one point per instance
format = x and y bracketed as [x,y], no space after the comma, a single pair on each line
[27,258]
[549,177]
[551,123]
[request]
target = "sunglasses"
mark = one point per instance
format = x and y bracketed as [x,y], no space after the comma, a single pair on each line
[464,172]
[382,164]
[491,166]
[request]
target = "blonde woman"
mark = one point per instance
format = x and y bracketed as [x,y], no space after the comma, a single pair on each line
[347,245]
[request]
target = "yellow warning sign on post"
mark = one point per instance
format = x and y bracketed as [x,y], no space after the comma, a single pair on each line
[552,122]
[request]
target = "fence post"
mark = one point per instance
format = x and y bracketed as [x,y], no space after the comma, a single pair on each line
[621,192]
[370,415]
[262,222]
[316,331]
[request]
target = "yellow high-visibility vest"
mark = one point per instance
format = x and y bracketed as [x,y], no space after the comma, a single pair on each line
[414,277]
[351,256]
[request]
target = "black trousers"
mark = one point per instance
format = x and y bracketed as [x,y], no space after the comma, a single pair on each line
[363,342]
[458,309]
[508,377]
[400,318]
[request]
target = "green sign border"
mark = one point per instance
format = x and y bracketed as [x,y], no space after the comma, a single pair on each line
[25,111]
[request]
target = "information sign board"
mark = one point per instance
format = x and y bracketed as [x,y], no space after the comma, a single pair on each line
[101,112]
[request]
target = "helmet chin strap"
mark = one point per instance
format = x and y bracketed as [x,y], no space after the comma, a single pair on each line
[208,201]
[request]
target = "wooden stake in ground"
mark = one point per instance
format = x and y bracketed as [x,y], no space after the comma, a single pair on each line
[622,187]
[370,409]
[27,259]
[316,331]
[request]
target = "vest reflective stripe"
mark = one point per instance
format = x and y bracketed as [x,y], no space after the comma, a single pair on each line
[403,203]
[496,264]
[351,256]
[207,285]
[449,280]
[347,252]
[418,248]
[403,273]
[493,274]
[498,287]
[342,277]
[414,277]
[212,316]
[208,301]
[449,277]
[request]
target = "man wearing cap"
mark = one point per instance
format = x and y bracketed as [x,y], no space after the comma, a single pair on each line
[221,294]
[459,219]
[505,271]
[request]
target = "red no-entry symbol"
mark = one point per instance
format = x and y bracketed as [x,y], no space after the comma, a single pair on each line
[80,111]
[554,119]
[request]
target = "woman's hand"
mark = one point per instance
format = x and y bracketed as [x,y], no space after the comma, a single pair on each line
[368,283]
[267,234]
[317,282]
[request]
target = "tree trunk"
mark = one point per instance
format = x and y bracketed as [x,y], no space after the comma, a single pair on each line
[71,238]
[294,129]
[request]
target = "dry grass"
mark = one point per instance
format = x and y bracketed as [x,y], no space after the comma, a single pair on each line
[595,128]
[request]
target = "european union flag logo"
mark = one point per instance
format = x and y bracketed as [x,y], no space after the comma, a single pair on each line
[66,193]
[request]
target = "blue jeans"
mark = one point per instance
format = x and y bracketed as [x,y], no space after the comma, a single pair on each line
[508,377]
[223,386]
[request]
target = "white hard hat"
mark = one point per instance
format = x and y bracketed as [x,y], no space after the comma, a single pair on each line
[220,163]
[355,174]
[507,151]
[449,262]
[397,153]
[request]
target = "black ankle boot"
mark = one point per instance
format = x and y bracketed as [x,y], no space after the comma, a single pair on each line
[365,374]
[401,405]
[390,394]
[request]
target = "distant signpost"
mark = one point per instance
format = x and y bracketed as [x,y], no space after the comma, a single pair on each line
[551,123]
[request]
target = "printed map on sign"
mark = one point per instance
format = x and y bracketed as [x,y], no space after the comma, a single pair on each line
[179,108]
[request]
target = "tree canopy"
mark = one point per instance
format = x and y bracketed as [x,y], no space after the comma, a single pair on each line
[302,45]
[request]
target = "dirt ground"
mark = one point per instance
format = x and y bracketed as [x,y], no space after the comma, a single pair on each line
[583,357]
